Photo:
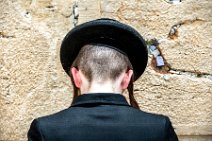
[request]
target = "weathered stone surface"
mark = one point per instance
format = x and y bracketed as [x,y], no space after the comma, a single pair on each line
[195,138]
[33,83]
[88,10]
[186,99]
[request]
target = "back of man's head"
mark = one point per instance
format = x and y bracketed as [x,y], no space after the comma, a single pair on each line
[101,63]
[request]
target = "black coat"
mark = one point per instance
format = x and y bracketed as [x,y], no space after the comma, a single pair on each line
[102,117]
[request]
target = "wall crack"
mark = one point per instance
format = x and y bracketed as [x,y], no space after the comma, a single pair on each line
[75,13]
[194,73]
[174,33]
[161,65]
[3,35]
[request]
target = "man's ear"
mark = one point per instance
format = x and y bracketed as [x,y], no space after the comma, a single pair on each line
[76,77]
[126,79]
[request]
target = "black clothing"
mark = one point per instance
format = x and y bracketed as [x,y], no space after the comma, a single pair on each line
[102,117]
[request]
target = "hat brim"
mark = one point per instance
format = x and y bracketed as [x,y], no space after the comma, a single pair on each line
[109,32]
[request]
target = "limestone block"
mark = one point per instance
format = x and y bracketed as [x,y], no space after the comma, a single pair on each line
[192,50]
[186,99]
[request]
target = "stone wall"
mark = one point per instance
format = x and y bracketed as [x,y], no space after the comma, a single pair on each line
[33,83]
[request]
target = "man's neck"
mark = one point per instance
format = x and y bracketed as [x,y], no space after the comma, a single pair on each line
[107,87]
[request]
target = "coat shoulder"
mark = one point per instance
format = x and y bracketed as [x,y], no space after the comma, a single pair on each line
[146,117]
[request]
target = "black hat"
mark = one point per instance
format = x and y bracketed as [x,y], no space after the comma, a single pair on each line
[108,32]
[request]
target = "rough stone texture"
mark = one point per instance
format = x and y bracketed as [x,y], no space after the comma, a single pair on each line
[195,138]
[33,83]
[32,80]
[187,100]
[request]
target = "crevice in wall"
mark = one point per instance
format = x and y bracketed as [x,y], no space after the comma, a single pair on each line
[194,73]
[3,35]
[51,8]
[75,13]
[174,33]
[67,16]
[161,65]
[158,62]
[173,1]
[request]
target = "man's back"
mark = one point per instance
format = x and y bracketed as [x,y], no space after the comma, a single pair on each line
[102,117]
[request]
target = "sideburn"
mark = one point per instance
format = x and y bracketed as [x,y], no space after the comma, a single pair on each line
[130,89]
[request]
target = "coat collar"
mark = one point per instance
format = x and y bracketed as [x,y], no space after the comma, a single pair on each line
[100,98]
